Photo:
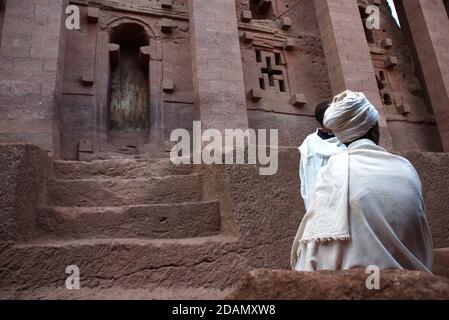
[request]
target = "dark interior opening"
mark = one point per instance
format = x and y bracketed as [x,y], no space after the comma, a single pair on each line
[387,99]
[270,77]
[128,93]
[261,9]
[278,58]
[262,83]
[282,86]
[258,56]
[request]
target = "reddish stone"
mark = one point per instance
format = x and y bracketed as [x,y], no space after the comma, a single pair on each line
[298,100]
[88,78]
[248,37]
[441,262]
[246,16]
[93,14]
[286,23]
[166,26]
[166,4]
[339,285]
[168,85]
[391,62]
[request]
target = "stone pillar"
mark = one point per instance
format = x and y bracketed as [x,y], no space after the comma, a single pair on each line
[347,52]
[428,25]
[217,65]
[31,60]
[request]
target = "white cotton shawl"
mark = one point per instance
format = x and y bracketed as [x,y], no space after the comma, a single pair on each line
[327,216]
[372,200]
[350,116]
[315,153]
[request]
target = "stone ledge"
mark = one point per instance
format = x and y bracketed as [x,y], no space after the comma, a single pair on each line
[339,285]
[441,262]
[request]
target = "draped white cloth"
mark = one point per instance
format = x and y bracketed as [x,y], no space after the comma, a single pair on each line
[350,116]
[315,153]
[367,209]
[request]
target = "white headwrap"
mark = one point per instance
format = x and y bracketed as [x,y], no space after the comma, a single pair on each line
[350,116]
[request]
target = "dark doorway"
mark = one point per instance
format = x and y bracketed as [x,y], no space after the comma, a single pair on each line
[129,88]
[129,92]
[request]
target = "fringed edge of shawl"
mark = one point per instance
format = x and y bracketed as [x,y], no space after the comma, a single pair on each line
[326,239]
[322,239]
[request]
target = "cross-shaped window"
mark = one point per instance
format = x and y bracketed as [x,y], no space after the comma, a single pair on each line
[271,71]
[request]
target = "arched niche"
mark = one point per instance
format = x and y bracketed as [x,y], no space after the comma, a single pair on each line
[129,90]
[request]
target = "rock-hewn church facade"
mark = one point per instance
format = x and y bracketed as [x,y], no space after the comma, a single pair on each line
[86,116]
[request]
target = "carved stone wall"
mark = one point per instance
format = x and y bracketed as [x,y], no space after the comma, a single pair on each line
[31,61]
[409,115]
[85,119]
[285,74]
[284,94]
[284,67]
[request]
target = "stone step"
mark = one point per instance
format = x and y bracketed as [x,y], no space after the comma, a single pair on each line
[165,221]
[124,168]
[122,192]
[116,293]
[268,285]
[441,262]
[209,262]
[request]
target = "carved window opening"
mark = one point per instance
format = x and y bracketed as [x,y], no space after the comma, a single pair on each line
[381,80]
[262,84]
[272,71]
[128,116]
[261,9]
[258,56]
[387,99]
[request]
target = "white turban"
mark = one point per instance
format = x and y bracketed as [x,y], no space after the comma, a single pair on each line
[350,116]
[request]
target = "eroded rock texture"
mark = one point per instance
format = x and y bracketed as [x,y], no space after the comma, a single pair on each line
[339,285]
[178,231]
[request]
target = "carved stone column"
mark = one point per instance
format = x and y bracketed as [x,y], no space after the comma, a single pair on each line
[428,24]
[217,65]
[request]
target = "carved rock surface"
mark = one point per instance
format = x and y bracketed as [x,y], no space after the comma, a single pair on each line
[339,285]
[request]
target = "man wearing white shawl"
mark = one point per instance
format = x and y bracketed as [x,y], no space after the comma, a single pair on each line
[315,152]
[367,207]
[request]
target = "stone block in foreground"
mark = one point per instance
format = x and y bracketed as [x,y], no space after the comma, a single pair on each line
[339,285]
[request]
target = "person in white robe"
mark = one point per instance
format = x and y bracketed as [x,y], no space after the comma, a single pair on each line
[315,152]
[367,208]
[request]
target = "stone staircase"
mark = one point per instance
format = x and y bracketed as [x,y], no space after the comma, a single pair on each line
[147,229]
[136,226]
